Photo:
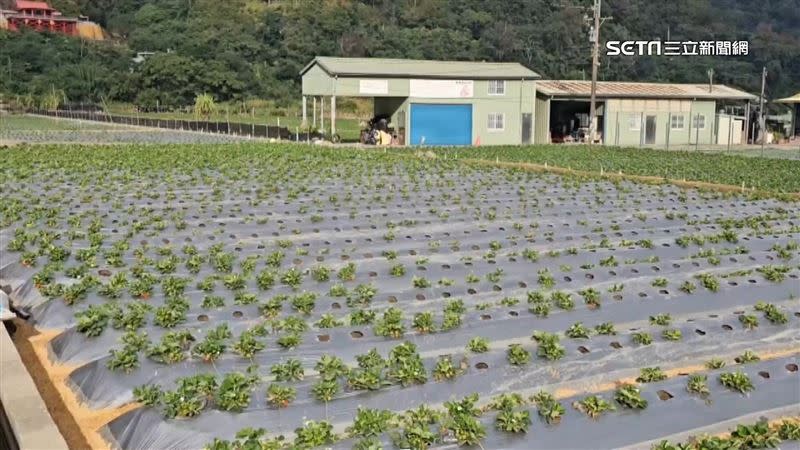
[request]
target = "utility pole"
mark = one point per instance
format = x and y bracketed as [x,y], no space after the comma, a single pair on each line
[710,80]
[594,38]
[762,123]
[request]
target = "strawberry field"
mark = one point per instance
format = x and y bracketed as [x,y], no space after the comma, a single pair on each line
[251,296]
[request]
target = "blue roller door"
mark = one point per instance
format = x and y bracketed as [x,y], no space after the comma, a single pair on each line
[441,124]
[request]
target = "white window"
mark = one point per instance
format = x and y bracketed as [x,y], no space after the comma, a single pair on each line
[677,122]
[699,122]
[634,122]
[497,87]
[497,122]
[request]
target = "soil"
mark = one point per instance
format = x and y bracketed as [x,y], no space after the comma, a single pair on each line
[62,417]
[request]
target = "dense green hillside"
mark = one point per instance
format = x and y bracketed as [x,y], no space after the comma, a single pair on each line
[255,48]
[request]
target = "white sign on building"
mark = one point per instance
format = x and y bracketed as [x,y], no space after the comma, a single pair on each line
[379,87]
[441,88]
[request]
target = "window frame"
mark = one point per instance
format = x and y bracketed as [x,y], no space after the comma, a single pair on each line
[497,84]
[697,120]
[634,122]
[673,120]
[491,124]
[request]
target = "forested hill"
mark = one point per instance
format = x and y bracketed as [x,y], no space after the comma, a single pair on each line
[255,48]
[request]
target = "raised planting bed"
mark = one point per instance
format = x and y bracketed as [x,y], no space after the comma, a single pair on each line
[197,293]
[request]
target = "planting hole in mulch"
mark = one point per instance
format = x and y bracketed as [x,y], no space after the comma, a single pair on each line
[392,299]
[202,318]
[791,367]
[700,332]
[420,297]
[471,291]
[238,314]
[568,279]
[664,395]
[616,345]
[583,350]
[481,366]
[356,334]
[336,305]
[486,317]
[727,327]
[764,374]
[496,288]
[104,272]
[324,338]
[513,314]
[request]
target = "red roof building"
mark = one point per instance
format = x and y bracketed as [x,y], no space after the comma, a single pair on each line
[38,16]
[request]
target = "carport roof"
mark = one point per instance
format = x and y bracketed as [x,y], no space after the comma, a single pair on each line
[619,89]
[415,68]
[793,99]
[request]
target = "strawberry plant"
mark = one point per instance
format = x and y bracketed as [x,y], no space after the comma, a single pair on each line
[517,355]
[698,384]
[362,317]
[291,370]
[172,347]
[577,331]
[478,345]
[549,346]
[280,396]
[304,303]
[748,321]
[513,421]
[289,341]
[651,374]
[423,322]
[548,408]
[247,345]
[563,300]
[736,381]
[391,324]
[629,396]
[148,394]
[772,313]
[370,422]
[328,321]
[606,329]
[347,273]
[747,357]
[325,390]
[314,434]
[397,270]
[234,391]
[672,334]
[292,278]
[265,279]
[661,319]
[593,406]
[445,369]
[212,302]
[688,287]
[715,363]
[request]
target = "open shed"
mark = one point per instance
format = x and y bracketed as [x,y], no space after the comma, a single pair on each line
[638,114]
[428,102]
[794,103]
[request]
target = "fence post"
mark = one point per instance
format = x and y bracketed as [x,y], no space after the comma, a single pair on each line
[616,131]
[730,131]
[669,127]
[641,130]
[697,133]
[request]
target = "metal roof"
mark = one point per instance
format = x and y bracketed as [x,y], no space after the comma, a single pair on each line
[414,68]
[611,89]
[793,99]
[24,4]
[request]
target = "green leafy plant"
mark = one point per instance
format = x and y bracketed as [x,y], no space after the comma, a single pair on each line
[630,396]
[314,434]
[517,355]
[370,422]
[651,374]
[593,406]
[736,381]
[548,408]
[478,345]
[698,384]
[291,370]
[577,331]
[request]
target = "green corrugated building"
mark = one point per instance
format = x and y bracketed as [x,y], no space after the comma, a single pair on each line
[430,102]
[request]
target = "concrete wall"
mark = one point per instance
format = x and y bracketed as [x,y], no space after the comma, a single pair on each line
[624,121]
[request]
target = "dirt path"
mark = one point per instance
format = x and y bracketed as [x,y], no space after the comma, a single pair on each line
[66,424]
